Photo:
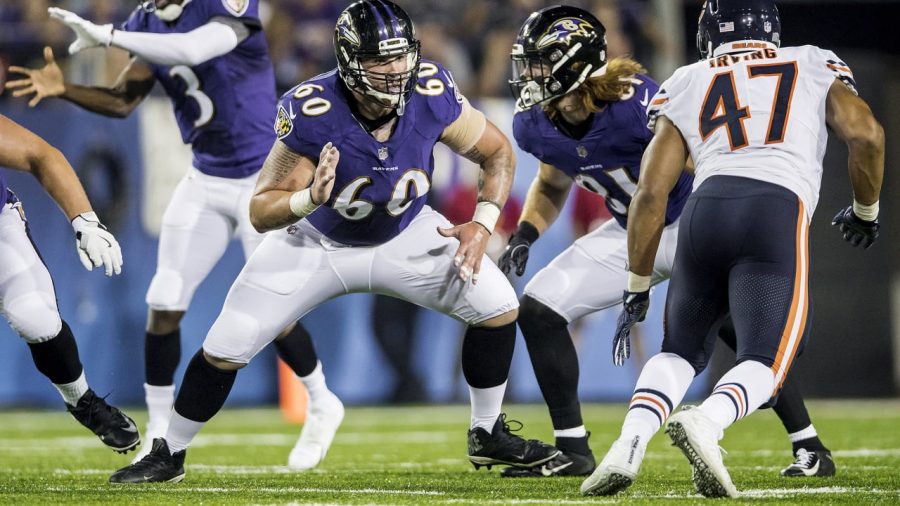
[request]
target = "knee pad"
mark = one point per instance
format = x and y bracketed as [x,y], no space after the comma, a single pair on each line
[34,316]
[235,337]
[533,313]
[167,291]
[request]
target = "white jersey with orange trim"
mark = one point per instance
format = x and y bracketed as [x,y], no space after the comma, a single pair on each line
[755,110]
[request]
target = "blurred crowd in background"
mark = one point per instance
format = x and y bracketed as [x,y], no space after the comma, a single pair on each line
[471,37]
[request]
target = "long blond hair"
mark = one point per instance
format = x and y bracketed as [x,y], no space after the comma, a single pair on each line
[608,87]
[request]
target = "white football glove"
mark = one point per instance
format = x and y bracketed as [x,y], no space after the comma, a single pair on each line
[89,34]
[95,245]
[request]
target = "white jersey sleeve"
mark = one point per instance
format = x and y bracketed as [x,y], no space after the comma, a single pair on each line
[756,112]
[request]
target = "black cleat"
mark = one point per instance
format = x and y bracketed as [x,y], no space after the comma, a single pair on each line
[159,466]
[564,464]
[810,463]
[502,447]
[116,429]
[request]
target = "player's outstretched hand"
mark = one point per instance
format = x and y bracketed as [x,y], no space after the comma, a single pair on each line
[473,239]
[855,230]
[88,34]
[43,82]
[96,246]
[516,252]
[634,310]
[323,181]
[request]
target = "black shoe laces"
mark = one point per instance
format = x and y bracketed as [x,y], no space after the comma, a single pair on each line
[97,408]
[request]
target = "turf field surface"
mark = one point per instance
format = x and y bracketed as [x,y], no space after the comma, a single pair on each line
[417,455]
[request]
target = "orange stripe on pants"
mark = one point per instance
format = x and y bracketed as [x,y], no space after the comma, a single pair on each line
[796,322]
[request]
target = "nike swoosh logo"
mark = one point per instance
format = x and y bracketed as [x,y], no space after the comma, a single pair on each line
[550,471]
[646,98]
[813,471]
[130,427]
[450,82]
[291,113]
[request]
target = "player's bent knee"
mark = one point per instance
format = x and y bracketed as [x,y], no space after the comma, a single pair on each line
[499,320]
[535,314]
[222,364]
[163,322]
[34,317]
[167,291]
[234,338]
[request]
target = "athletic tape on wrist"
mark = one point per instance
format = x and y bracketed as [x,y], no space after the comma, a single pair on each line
[487,214]
[637,283]
[302,204]
[864,212]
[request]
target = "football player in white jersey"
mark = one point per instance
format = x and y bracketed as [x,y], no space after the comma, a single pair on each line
[27,295]
[753,117]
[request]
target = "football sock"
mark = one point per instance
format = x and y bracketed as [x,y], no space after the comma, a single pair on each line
[159,405]
[660,388]
[555,362]
[181,432]
[297,351]
[72,392]
[315,384]
[808,439]
[57,358]
[579,431]
[486,357]
[203,392]
[162,352]
[486,405]
[790,408]
[741,391]
[487,354]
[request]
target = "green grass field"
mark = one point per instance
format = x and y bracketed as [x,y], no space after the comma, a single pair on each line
[417,455]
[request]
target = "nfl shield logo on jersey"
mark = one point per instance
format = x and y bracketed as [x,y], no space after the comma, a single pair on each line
[283,123]
[582,151]
[382,153]
[236,7]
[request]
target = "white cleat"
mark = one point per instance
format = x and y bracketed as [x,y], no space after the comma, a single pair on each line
[698,437]
[152,432]
[618,469]
[322,422]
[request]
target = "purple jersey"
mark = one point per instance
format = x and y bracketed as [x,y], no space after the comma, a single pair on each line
[224,105]
[607,159]
[4,192]
[379,186]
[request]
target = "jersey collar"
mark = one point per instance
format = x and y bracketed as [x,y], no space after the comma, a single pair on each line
[742,46]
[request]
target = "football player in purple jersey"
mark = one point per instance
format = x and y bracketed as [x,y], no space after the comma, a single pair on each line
[585,119]
[211,58]
[344,191]
[27,294]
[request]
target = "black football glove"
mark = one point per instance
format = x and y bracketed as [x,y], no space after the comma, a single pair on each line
[516,252]
[856,231]
[634,310]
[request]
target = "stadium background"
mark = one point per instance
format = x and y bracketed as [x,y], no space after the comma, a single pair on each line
[130,166]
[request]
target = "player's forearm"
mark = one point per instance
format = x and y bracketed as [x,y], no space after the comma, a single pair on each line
[192,48]
[646,218]
[271,210]
[110,102]
[542,205]
[55,174]
[866,163]
[496,177]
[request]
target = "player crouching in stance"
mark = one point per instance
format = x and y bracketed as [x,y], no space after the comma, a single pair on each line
[27,295]
[753,117]
[348,179]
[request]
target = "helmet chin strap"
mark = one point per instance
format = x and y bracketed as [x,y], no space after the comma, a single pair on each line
[171,12]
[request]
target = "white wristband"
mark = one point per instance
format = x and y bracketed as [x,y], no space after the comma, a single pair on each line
[864,212]
[487,214]
[638,283]
[302,204]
